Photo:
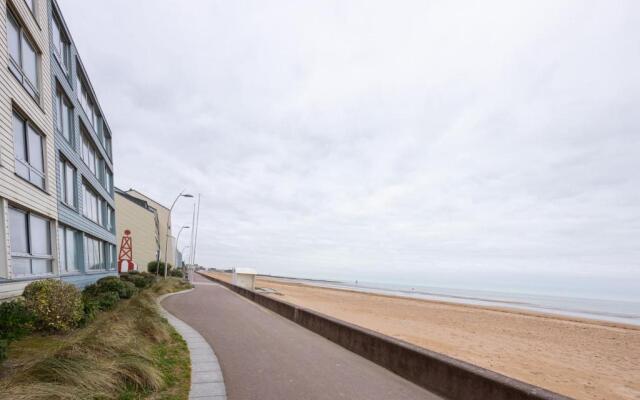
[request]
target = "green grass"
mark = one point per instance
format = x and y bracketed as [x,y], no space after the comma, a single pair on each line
[130,352]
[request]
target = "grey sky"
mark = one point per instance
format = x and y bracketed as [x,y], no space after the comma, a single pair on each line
[488,145]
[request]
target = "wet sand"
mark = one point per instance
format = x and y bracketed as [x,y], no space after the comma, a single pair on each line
[578,358]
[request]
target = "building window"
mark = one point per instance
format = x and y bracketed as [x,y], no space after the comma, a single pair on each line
[63,116]
[89,155]
[88,105]
[110,219]
[60,44]
[110,256]
[67,245]
[92,205]
[108,145]
[28,145]
[30,243]
[93,254]
[24,58]
[67,183]
[108,180]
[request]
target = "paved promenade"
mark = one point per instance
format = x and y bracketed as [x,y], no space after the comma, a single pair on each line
[266,357]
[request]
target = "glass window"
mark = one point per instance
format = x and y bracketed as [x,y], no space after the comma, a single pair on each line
[29,61]
[67,246]
[35,149]
[19,231]
[30,243]
[39,234]
[19,139]
[89,155]
[13,38]
[71,250]
[63,118]
[93,254]
[60,44]
[67,183]
[28,146]
[24,56]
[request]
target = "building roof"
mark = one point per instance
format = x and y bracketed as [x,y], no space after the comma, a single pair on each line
[147,198]
[142,203]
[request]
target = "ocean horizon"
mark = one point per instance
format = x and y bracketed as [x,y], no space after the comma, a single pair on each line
[609,310]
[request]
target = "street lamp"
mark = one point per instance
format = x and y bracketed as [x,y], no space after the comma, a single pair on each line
[166,243]
[177,239]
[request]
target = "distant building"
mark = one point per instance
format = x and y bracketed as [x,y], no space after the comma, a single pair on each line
[141,219]
[147,220]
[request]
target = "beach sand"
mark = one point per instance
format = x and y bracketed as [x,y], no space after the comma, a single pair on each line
[578,358]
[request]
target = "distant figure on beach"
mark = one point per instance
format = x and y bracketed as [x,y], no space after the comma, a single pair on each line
[356,282]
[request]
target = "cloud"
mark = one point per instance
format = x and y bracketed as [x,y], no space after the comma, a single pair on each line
[492,145]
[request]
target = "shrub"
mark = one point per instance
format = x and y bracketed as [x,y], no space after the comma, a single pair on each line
[91,308]
[139,280]
[128,291]
[116,285]
[15,320]
[57,305]
[154,266]
[176,272]
[106,300]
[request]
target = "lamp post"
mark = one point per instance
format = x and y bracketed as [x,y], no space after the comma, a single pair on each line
[177,239]
[166,243]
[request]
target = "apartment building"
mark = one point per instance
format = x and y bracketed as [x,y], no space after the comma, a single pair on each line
[57,214]
[84,164]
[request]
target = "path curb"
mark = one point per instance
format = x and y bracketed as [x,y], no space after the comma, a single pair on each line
[207,382]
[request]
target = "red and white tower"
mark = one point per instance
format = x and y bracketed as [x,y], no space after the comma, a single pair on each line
[125,257]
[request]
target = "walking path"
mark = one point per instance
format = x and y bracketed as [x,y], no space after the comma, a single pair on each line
[264,356]
[206,376]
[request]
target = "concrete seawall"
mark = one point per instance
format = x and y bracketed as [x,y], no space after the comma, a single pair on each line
[451,378]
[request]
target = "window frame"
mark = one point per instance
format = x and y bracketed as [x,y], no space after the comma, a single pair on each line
[91,151]
[98,204]
[63,240]
[30,255]
[64,165]
[26,124]
[17,67]
[61,101]
[64,59]
[94,254]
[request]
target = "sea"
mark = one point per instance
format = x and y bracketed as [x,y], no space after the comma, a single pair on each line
[618,311]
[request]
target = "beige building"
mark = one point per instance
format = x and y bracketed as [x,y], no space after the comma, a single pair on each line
[147,221]
[28,195]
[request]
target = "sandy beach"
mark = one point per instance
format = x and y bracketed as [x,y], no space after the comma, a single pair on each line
[578,358]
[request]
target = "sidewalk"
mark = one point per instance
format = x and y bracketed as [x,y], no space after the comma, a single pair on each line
[264,356]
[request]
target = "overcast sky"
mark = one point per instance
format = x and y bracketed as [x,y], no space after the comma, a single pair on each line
[491,145]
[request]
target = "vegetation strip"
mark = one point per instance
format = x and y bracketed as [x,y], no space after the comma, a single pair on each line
[128,351]
[207,382]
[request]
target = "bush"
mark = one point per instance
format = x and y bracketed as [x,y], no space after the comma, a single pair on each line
[139,280]
[105,300]
[114,284]
[154,266]
[129,290]
[16,320]
[91,308]
[57,305]
[176,272]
